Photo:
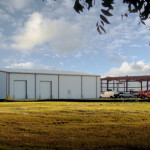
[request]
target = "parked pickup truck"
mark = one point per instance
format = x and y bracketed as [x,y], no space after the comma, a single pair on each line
[107,94]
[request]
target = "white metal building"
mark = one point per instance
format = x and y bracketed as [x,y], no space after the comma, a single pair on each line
[47,84]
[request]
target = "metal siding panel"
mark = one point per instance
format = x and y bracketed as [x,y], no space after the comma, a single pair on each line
[52,78]
[30,78]
[98,87]
[70,87]
[3,87]
[45,89]
[89,87]
[20,89]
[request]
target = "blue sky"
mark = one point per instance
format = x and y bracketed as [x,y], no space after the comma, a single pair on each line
[51,35]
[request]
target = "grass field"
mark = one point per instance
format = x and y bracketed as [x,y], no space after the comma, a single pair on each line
[74,126]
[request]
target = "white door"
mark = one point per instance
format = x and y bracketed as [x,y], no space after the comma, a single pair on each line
[45,89]
[20,89]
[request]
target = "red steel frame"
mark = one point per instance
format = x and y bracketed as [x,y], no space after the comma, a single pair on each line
[126,80]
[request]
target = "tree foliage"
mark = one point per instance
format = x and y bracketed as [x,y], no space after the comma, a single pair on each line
[142,7]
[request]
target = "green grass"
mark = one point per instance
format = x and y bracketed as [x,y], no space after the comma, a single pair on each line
[74,126]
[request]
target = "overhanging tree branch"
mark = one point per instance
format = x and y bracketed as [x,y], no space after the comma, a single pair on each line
[134,6]
[142,7]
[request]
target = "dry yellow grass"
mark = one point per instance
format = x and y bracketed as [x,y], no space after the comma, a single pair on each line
[74,125]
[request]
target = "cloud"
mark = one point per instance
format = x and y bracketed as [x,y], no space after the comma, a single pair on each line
[1,35]
[19,4]
[4,17]
[3,46]
[31,65]
[68,4]
[135,45]
[78,55]
[75,32]
[38,30]
[61,63]
[117,58]
[12,5]
[115,45]
[147,23]
[147,37]
[134,68]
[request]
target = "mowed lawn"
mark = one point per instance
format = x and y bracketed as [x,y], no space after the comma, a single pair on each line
[74,126]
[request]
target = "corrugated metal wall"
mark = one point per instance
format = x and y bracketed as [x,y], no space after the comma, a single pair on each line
[20,89]
[30,81]
[54,81]
[89,87]
[40,86]
[70,87]
[3,87]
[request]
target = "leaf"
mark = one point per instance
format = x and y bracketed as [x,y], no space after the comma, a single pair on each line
[102,23]
[106,12]
[99,30]
[78,7]
[107,5]
[126,14]
[89,2]
[104,19]
[102,28]
[121,16]
[97,24]
[143,22]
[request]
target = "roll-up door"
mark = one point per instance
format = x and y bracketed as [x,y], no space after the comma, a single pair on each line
[20,89]
[45,89]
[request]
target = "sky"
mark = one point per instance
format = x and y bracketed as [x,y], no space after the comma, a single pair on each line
[51,35]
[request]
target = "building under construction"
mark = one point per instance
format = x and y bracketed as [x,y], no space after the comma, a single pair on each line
[125,83]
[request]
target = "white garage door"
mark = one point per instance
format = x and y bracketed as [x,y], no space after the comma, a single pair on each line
[20,89]
[45,89]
